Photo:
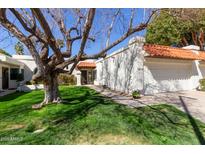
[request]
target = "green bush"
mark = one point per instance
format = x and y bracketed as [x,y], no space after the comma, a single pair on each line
[136,94]
[67,79]
[32,82]
[28,83]
[202,84]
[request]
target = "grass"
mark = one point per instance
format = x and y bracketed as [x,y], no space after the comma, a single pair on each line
[88,118]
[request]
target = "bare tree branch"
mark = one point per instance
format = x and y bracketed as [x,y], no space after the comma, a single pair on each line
[86,30]
[17,33]
[33,31]
[131,18]
[51,40]
[59,22]
[111,27]
[66,63]
[129,32]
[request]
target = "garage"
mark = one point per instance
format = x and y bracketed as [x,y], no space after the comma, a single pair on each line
[162,75]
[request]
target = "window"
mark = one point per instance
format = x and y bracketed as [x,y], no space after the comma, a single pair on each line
[14,73]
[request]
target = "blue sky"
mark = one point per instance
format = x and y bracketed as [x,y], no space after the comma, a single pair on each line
[91,48]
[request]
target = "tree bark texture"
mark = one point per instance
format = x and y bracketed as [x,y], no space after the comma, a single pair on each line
[51,91]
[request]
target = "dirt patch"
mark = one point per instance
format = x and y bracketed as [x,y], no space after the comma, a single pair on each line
[14,127]
[110,139]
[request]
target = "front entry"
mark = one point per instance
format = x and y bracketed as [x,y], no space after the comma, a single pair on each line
[5,78]
[83,77]
[87,76]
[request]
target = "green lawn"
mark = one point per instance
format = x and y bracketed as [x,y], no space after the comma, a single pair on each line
[88,118]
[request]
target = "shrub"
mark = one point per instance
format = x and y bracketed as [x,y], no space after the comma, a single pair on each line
[67,79]
[136,94]
[202,84]
[28,83]
[32,82]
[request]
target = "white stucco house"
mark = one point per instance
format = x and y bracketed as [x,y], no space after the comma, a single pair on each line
[151,68]
[138,66]
[10,67]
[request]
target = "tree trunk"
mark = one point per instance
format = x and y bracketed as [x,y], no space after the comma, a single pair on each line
[184,41]
[201,40]
[194,38]
[51,91]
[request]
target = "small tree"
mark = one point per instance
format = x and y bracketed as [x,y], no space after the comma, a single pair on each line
[19,48]
[37,32]
[179,27]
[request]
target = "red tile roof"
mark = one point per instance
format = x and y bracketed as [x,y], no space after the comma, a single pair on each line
[162,51]
[86,64]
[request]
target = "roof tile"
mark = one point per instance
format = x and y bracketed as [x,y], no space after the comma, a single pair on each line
[86,64]
[173,52]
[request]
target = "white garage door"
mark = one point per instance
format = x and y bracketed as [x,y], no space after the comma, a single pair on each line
[163,77]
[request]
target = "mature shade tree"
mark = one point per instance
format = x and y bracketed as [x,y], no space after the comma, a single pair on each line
[36,29]
[19,48]
[180,27]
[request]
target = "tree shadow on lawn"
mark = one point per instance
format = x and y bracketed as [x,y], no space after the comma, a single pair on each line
[18,104]
[86,111]
[79,106]
[195,124]
[162,124]
[12,96]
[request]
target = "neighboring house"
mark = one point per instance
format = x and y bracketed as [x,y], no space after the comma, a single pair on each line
[151,68]
[85,72]
[11,67]
[9,70]
[29,65]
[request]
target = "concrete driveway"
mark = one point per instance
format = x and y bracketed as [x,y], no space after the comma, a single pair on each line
[191,102]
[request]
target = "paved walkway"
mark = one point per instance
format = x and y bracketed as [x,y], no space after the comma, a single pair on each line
[191,102]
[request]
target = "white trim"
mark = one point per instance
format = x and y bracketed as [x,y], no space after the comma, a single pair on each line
[10,60]
[22,57]
[167,60]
